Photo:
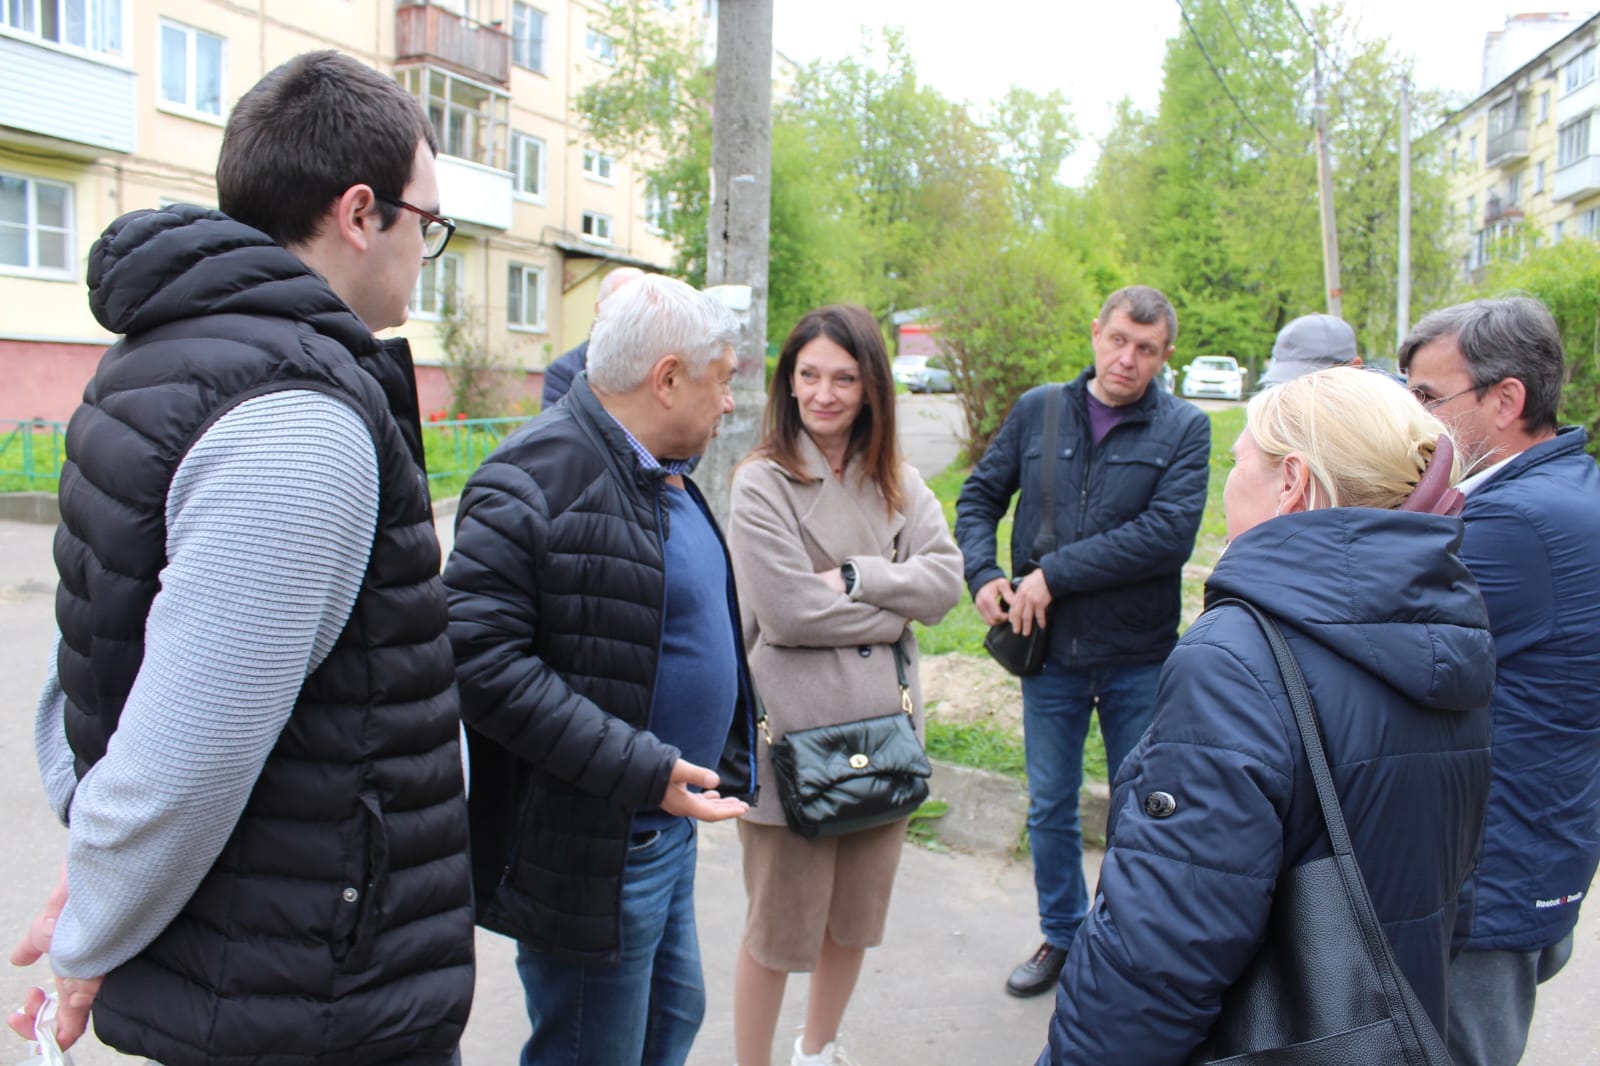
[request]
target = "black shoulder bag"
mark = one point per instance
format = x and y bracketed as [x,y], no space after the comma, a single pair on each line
[1325,989]
[1021,655]
[837,779]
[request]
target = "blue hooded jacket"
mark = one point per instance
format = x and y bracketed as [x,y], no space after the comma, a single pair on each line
[1533,543]
[1391,634]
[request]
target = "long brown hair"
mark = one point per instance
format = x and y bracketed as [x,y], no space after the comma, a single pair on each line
[872,434]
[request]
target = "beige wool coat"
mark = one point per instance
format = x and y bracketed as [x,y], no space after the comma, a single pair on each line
[805,640]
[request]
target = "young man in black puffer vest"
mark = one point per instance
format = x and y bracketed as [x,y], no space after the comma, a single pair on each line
[252,715]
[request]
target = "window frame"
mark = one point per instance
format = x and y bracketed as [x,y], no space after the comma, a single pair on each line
[1579,144]
[517,276]
[436,267]
[103,19]
[187,106]
[600,46]
[591,222]
[31,229]
[518,9]
[1578,71]
[539,196]
[599,166]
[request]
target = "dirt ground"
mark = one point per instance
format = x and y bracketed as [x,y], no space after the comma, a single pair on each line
[971,688]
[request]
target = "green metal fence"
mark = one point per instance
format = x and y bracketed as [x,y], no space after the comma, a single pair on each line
[31,451]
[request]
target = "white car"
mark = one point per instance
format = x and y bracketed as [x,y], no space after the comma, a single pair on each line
[1216,376]
[922,373]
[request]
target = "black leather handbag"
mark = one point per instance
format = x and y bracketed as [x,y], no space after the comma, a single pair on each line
[1024,656]
[837,779]
[1324,990]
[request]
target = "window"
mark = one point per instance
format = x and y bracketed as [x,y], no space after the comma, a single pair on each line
[527,37]
[1514,190]
[597,165]
[35,227]
[597,227]
[1572,142]
[472,119]
[1453,157]
[438,287]
[527,166]
[1561,229]
[1589,223]
[1538,178]
[1472,148]
[1544,106]
[600,47]
[1472,213]
[657,207]
[1579,70]
[191,69]
[525,298]
[93,25]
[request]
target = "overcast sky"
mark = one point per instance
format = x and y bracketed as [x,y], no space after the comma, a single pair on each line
[1097,51]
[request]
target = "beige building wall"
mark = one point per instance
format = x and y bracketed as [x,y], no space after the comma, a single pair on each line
[554,239]
[1524,157]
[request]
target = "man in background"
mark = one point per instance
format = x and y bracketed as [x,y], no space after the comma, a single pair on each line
[1131,466]
[559,374]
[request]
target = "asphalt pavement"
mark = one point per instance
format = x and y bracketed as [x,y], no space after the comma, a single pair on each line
[932,995]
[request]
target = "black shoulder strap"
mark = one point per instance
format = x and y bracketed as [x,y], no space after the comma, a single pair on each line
[1045,542]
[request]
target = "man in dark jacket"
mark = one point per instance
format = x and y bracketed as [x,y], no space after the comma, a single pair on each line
[559,374]
[596,635]
[252,715]
[1492,370]
[1131,465]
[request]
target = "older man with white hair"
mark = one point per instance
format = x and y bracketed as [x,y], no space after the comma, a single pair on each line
[596,635]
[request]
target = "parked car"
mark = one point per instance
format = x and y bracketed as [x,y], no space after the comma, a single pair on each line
[923,373]
[1168,377]
[1216,376]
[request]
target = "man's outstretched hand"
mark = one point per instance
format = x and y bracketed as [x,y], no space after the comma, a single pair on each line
[707,805]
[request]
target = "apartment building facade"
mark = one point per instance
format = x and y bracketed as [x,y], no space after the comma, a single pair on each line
[107,106]
[1524,156]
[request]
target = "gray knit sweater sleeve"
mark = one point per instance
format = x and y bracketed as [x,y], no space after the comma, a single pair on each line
[270,523]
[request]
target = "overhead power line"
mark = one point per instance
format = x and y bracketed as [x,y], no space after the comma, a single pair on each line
[1223,82]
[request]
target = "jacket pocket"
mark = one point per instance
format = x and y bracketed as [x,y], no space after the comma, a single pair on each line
[360,901]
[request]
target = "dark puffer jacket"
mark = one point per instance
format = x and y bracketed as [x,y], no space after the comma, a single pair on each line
[336,926]
[1127,511]
[1390,632]
[556,588]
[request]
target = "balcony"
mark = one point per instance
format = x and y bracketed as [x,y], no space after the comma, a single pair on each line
[1577,180]
[1507,146]
[427,33]
[82,105]
[474,194]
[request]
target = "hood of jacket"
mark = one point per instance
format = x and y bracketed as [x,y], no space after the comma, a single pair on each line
[1383,589]
[150,268]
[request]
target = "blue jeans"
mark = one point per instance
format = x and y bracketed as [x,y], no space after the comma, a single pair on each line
[645,1009]
[1056,703]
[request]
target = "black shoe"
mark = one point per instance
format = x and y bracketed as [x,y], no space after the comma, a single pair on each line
[1039,973]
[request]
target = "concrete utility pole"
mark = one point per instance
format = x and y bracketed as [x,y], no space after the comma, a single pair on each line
[1402,299]
[741,204]
[1330,234]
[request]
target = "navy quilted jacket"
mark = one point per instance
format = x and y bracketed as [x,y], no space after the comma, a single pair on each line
[1390,632]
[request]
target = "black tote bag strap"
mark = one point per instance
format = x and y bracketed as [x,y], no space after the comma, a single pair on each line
[1421,1040]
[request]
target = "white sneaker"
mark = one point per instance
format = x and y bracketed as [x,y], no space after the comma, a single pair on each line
[830,1055]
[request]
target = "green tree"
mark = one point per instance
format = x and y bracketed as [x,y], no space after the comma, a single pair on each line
[1566,276]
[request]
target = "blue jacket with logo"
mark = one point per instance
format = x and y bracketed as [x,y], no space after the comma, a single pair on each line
[1390,633]
[1533,543]
[1127,511]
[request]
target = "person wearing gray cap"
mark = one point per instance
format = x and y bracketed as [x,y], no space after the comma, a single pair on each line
[1310,342]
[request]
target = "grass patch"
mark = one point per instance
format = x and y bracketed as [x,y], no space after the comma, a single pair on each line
[985,747]
[31,455]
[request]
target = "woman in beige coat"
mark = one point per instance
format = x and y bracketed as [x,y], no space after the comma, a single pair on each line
[837,546]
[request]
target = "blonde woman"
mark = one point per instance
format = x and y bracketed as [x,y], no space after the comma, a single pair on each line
[1217,801]
[837,546]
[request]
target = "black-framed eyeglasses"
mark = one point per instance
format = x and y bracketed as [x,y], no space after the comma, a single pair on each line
[436,229]
[1434,402]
